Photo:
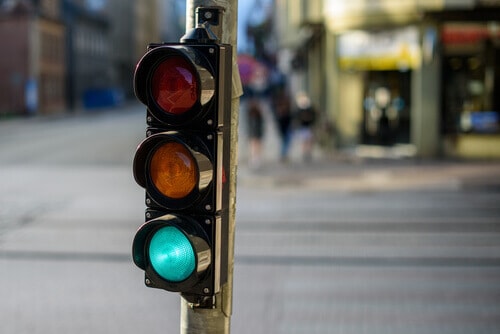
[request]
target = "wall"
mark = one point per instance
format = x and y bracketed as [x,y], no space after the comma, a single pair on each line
[14,58]
[52,69]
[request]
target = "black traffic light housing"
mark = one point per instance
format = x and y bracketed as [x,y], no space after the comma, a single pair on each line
[186,88]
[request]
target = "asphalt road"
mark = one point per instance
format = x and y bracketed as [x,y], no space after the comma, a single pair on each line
[336,246]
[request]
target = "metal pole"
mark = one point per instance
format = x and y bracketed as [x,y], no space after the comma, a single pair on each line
[217,320]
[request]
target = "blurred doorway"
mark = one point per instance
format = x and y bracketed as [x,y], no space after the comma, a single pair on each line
[386,114]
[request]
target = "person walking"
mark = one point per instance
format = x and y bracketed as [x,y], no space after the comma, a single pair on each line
[255,132]
[282,112]
[305,116]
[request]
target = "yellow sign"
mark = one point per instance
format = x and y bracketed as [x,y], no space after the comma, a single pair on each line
[388,50]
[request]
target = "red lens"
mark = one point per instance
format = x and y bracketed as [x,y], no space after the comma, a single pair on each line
[175,85]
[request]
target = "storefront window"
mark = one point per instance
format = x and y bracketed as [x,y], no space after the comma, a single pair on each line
[471,79]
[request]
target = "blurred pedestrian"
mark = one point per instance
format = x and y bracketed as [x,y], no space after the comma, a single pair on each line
[255,132]
[282,111]
[305,116]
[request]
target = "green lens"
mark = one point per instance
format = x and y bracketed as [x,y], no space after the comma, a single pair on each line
[171,254]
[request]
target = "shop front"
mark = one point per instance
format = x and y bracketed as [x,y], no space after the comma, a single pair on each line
[471,89]
[419,74]
[383,63]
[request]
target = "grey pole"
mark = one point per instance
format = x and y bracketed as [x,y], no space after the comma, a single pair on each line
[217,320]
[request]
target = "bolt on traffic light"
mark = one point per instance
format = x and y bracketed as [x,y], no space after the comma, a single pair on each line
[182,163]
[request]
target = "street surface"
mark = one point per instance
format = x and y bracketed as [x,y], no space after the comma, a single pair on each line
[339,245]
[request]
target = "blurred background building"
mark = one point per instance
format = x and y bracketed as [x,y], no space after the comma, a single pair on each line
[32,61]
[88,53]
[419,75]
[66,55]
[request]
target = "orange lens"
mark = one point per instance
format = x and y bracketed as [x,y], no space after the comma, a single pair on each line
[175,86]
[173,170]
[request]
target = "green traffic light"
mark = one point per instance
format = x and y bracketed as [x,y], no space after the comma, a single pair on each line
[171,254]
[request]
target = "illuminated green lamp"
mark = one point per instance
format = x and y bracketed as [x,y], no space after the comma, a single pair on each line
[171,254]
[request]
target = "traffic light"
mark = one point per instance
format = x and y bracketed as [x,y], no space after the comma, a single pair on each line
[182,164]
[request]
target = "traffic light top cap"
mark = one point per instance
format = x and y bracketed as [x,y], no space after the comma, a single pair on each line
[201,34]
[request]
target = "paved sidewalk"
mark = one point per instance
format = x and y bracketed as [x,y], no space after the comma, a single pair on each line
[364,168]
[373,175]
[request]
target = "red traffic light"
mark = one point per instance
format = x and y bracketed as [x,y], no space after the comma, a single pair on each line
[174,85]
[177,84]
